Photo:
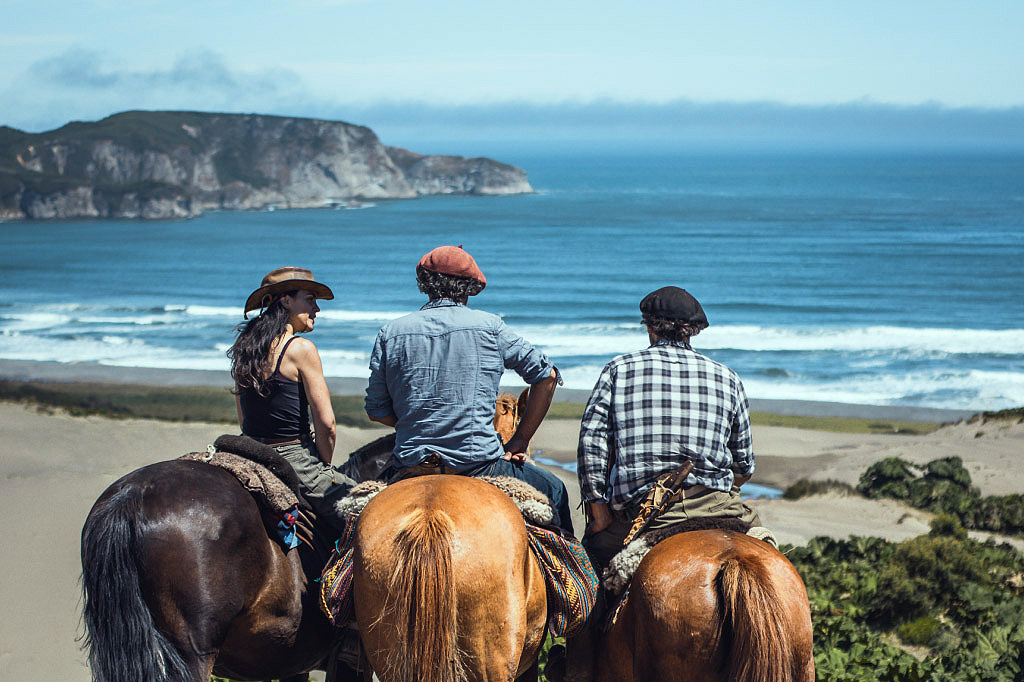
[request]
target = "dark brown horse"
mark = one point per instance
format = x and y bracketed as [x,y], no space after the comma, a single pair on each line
[711,606]
[182,580]
[446,588]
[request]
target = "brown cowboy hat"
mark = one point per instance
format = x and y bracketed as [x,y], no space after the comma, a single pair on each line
[286,279]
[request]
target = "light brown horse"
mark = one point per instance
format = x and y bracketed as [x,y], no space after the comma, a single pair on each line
[445,585]
[508,412]
[711,606]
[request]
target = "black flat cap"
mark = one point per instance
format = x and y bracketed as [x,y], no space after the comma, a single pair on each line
[673,303]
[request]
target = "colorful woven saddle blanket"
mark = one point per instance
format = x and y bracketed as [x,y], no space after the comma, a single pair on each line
[569,576]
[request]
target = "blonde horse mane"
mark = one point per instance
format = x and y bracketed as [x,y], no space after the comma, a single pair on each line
[422,602]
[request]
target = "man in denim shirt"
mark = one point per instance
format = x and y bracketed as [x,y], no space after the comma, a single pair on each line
[434,376]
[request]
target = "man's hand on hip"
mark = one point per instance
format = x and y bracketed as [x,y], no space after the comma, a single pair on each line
[515,450]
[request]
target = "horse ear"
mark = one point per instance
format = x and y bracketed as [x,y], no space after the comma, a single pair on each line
[524,399]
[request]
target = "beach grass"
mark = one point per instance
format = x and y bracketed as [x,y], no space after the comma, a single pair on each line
[217,405]
[843,424]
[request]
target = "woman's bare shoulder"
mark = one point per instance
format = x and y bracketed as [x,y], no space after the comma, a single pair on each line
[302,349]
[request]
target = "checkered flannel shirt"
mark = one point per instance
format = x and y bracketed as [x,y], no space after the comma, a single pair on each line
[651,407]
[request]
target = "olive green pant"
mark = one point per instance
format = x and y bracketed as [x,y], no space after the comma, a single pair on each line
[698,502]
[321,484]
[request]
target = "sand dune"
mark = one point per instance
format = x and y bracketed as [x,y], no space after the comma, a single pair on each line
[53,467]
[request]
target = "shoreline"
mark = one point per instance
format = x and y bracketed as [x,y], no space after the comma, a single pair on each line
[57,372]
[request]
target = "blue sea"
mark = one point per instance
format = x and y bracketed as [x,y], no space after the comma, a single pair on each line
[876,278]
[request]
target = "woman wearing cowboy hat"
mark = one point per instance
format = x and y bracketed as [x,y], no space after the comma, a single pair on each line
[279,382]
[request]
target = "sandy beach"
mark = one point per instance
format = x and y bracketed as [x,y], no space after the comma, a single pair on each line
[53,467]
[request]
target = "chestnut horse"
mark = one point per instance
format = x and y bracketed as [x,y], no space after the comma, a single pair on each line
[445,585]
[711,606]
[508,412]
[182,580]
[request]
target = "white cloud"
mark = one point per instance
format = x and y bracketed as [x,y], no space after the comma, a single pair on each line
[82,84]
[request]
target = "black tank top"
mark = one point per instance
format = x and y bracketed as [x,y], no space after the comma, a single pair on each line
[283,414]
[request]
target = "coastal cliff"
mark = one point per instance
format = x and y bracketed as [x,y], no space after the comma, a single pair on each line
[166,165]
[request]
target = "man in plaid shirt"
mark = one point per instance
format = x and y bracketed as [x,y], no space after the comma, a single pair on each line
[650,411]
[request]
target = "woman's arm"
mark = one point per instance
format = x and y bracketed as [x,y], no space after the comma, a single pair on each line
[238,408]
[311,373]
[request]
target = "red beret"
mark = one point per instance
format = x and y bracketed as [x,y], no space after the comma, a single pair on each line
[452,260]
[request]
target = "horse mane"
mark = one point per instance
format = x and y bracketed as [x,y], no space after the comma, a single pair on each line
[370,461]
[423,601]
[754,617]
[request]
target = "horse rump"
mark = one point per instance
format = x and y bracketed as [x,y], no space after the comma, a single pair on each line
[123,642]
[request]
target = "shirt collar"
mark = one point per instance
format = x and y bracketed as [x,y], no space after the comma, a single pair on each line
[669,342]
[440,303]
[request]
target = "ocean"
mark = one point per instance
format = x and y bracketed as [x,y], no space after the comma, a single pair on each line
[874,278]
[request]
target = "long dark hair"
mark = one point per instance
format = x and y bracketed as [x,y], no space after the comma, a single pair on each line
[250,354]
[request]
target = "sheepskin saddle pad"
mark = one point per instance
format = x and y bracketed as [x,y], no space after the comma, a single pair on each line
[269,491]
[623,565]
[532,503]
[571,581]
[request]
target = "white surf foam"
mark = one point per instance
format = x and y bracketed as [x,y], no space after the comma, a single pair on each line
[210,311]
[970,389]
[334,315]
[950,389]
[609,340]
[115,350]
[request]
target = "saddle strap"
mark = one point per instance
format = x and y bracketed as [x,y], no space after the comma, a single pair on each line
[667,490]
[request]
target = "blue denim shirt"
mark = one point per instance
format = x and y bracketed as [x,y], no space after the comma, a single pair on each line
[437,371]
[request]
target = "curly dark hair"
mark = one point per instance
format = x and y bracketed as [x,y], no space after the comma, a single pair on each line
[439,285]
[250,353]
[673,330]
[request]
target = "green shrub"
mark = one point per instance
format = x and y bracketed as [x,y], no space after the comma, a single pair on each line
[960,598]
[918,631]
[890,477]
[806,488]
[944,488]
[950,469]
[947,525]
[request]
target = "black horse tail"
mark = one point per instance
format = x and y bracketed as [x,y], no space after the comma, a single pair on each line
[124,643]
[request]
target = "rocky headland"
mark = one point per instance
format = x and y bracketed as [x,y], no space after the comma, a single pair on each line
[172,165]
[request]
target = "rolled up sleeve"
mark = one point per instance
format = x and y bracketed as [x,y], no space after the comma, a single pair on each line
[378,400]
[522,358]
[741,443]
[593,456]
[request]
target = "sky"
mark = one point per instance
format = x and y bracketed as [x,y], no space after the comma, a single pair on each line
[909,70]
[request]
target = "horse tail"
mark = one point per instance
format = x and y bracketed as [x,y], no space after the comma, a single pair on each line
[754,612]
[123,641]
[424,601]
